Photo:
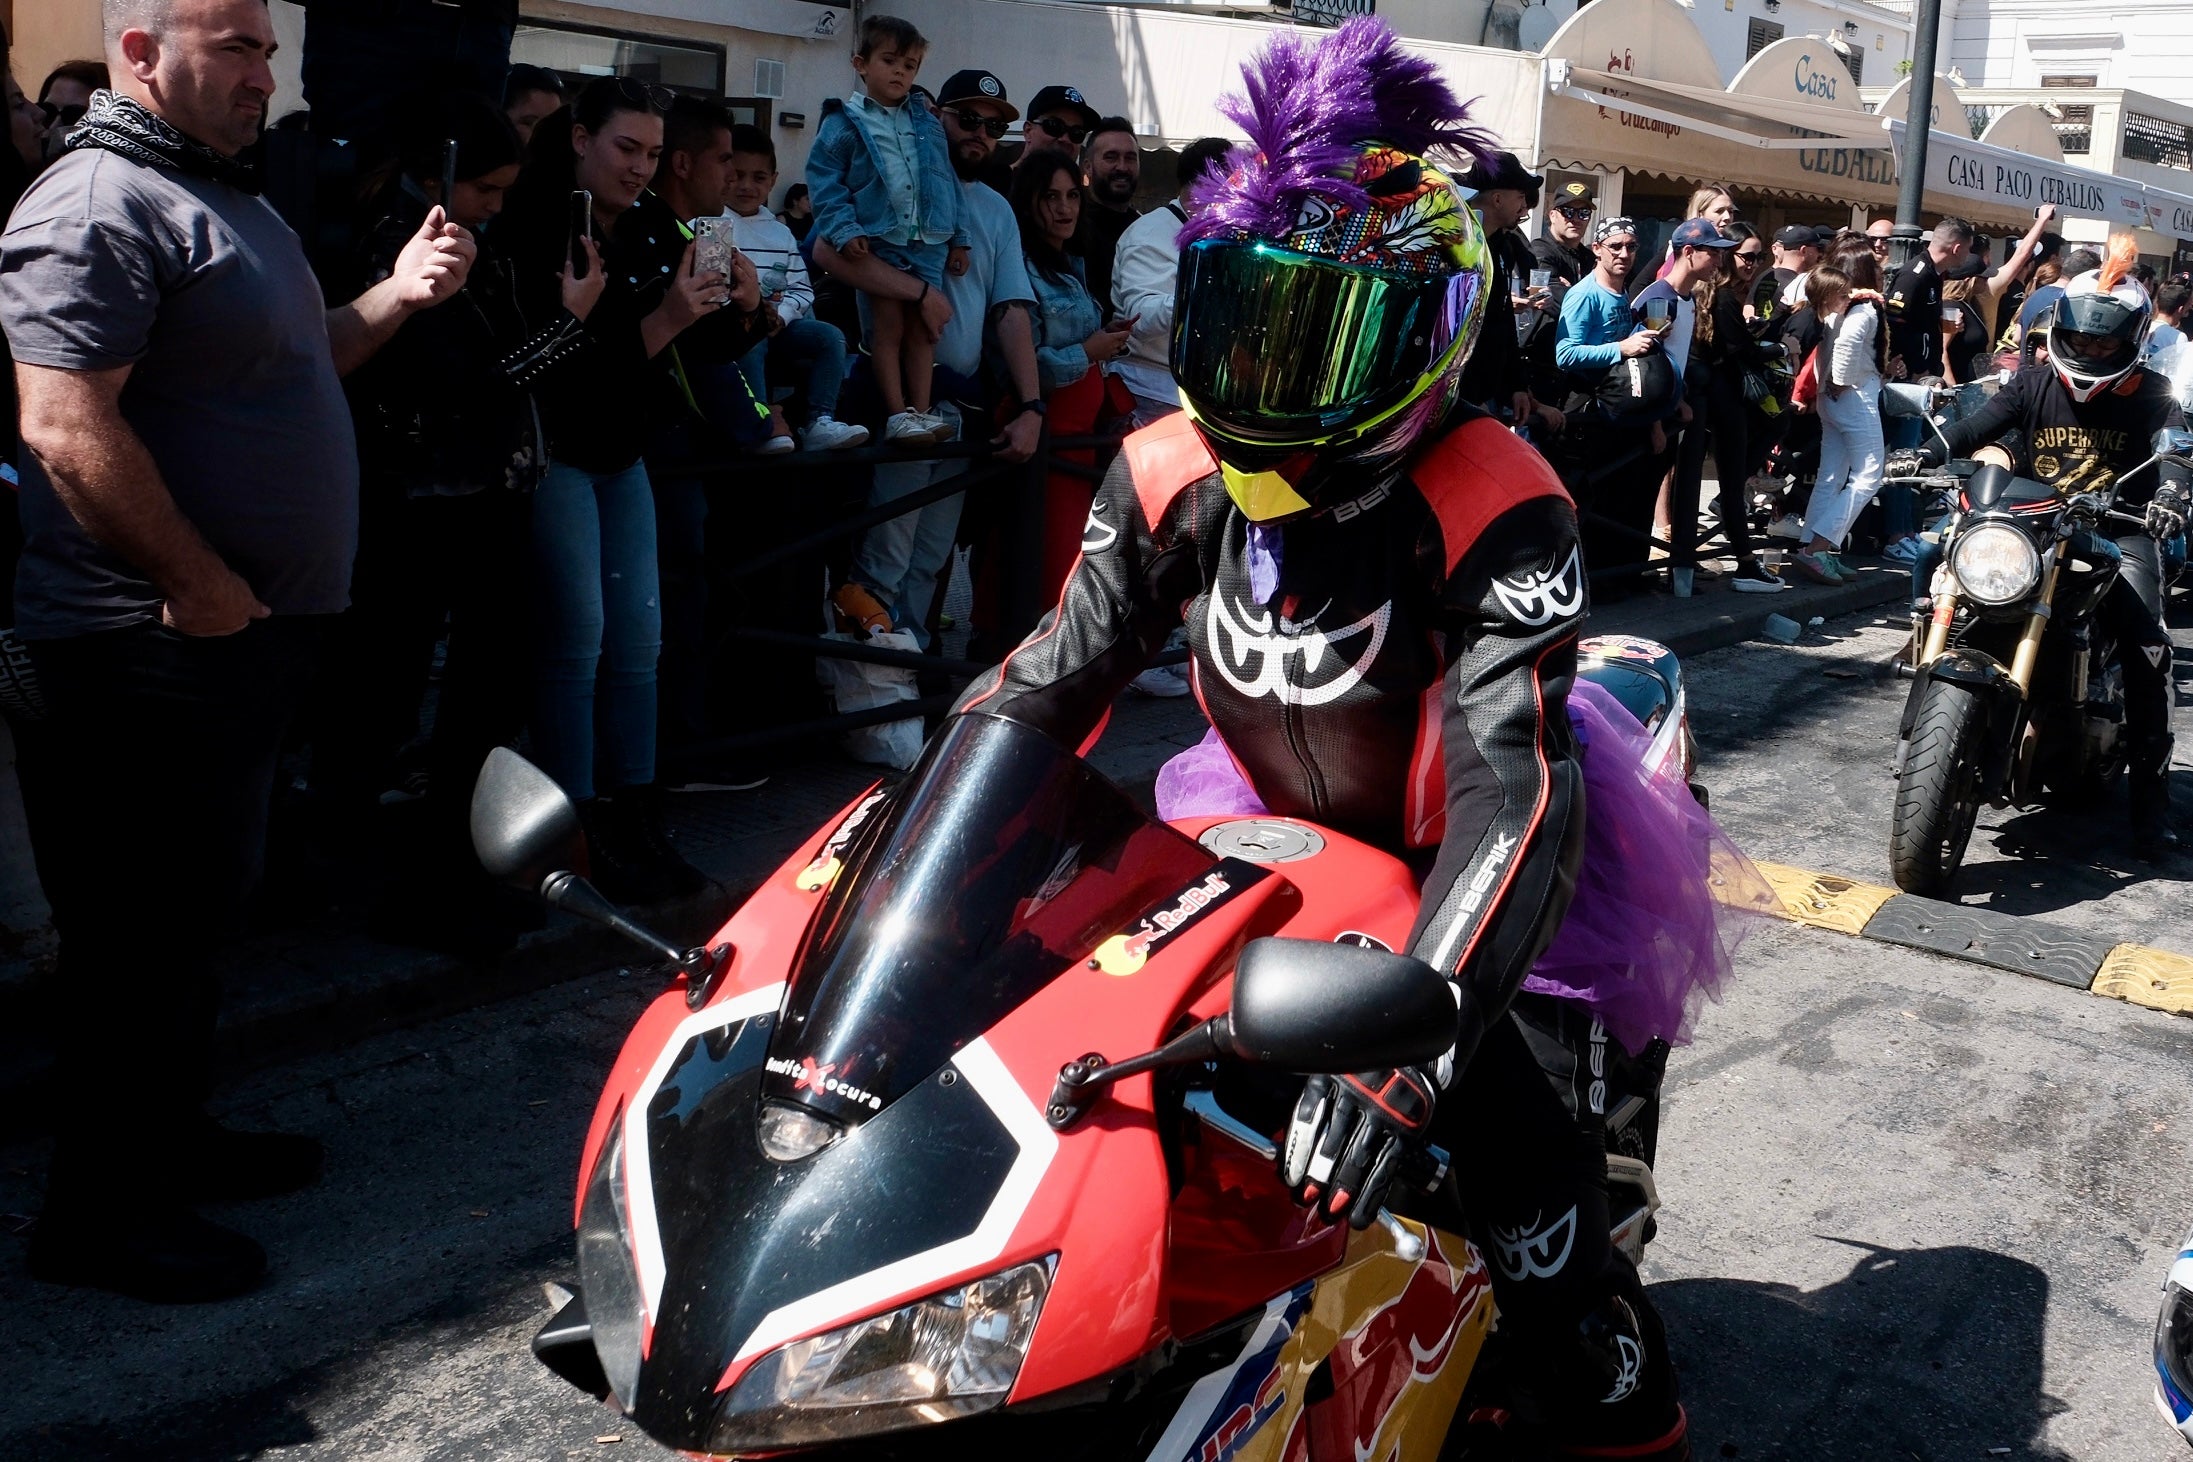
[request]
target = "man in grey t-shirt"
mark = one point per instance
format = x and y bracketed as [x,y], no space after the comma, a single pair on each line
[189,503]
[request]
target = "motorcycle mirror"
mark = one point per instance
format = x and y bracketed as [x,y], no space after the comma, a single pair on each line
[524,829]
[2173,442]
[1303,1005]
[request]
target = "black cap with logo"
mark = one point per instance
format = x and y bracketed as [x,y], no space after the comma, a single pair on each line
[1064,99]
[976,85]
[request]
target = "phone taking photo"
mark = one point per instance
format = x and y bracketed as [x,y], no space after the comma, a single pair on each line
[582,227]
[713,249]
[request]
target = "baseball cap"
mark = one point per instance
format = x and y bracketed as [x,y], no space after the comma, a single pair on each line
[1803,236]
[1503,170]
[976,85]
[1573,195]
[1700,233]
[1064,99]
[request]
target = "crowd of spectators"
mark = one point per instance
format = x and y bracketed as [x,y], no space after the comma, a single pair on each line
[484,499]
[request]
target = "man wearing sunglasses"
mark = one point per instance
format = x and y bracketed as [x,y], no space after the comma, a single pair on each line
[1058,117]
[1597,332]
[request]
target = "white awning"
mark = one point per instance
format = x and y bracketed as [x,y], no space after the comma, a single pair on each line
[1748,121]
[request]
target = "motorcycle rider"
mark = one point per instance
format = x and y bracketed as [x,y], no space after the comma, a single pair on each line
[1382,593]
[2078,423]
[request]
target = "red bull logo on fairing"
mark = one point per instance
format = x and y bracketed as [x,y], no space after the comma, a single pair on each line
[1405,1343]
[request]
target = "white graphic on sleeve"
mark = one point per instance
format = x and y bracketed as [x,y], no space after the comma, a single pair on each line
[1260,653]
[1633,1365]
[1096,534]
[1535,1252]
[1536,598]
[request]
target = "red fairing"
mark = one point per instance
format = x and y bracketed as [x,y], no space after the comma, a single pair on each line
[1102,1205]
[765,932]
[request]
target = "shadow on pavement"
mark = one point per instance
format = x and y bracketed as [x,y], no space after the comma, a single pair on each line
[1926,1354]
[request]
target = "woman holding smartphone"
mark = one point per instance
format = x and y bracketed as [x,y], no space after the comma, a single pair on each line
[449,451]
[1072,345]
[610,266]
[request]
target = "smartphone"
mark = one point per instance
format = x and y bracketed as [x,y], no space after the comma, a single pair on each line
[582,226]
[713,249]
[449,176]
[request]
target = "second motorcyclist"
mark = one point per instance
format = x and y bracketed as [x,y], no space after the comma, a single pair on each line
[1382,593]
[2080,423]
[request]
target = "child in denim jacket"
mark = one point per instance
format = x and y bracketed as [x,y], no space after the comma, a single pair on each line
[881,181]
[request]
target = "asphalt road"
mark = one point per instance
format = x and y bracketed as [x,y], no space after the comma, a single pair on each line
[1915,1209]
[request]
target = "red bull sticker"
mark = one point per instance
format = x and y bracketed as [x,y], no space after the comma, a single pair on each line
[823,869]
[1127,952]
[1404,1343]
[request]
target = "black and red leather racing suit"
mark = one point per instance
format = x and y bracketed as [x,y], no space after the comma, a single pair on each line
[1407,684]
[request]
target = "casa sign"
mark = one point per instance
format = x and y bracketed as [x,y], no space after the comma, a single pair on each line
[2011,180]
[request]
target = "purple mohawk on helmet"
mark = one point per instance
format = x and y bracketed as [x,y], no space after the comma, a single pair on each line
[1309,110]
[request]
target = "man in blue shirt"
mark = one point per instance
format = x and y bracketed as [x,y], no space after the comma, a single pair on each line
[1621,462]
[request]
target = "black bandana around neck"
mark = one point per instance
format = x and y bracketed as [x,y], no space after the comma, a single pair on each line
[123,126]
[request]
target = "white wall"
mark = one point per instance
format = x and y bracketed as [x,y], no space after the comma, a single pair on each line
[2139,45]
[1882,34]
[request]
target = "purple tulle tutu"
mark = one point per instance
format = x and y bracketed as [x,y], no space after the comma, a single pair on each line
[1662,900]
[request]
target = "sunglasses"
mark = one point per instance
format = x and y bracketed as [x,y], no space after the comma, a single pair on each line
[977,122]
[645,94]
[1751,256]
[1614,248]
[1060,127]
[1576,211]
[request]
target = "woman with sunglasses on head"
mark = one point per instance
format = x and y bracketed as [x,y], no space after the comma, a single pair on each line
[618,284]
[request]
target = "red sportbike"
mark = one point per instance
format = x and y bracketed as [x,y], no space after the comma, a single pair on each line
[956,1142]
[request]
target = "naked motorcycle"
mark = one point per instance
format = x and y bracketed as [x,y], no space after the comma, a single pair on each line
[957,1140]
[2018,691]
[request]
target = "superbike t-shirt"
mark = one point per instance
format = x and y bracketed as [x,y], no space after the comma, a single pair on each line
[2073,447]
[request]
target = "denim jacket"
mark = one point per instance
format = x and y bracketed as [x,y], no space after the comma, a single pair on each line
[847,188]
[1065,316]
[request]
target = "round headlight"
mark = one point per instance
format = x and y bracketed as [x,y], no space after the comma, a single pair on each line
[1994,563]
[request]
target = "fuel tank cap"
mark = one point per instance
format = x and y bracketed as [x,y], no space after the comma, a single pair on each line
[1263,840]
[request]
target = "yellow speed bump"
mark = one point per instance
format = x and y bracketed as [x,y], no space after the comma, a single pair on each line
[2155,978]
[1823,900]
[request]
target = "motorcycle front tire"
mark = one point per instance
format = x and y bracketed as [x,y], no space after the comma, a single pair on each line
[1939,793]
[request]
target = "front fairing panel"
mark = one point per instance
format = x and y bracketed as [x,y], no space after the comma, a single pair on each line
[749,1244]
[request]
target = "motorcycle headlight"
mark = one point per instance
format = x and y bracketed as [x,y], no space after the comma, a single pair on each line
[606,1273]
[946,1356]
[1994,563]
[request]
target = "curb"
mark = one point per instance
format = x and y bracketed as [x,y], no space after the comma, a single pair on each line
[2138,974]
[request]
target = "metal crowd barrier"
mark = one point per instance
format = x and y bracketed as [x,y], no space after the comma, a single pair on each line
[1022,529]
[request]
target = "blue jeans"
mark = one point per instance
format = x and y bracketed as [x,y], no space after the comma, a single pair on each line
[901,558]
[814,344]
[600,616]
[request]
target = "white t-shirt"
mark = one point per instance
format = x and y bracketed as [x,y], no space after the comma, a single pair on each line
[2160,339]
[764,239]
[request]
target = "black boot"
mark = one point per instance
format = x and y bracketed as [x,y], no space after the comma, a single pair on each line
[2147,763]
[630,854]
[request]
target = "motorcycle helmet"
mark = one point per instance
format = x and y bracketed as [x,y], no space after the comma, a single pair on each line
[1332,280]
[2097,327]
[2174,1344]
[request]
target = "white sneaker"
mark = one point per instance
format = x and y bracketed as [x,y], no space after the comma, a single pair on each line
[909,427]
[775,447]
[1789,526]
[940,426]
[827,434]
[1164,681]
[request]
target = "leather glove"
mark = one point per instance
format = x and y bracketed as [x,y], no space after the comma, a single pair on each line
[1345,1144]
[2166,513]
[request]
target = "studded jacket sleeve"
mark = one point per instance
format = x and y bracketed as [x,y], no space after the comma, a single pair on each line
[1507,862]
[1122,598]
